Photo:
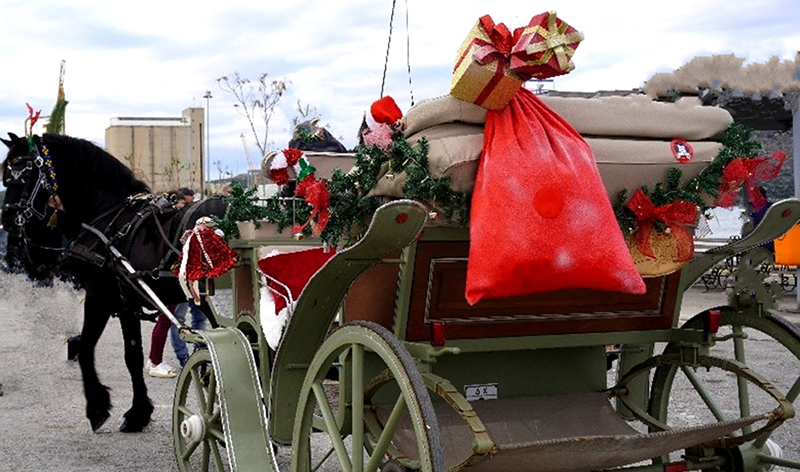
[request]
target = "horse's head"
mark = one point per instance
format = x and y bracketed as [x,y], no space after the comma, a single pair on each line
[26,209]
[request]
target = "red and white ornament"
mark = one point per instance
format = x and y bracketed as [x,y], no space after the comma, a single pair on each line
[204,255]
[283,160]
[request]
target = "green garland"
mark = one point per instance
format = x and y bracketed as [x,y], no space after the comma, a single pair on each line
[351,209]
[738,142]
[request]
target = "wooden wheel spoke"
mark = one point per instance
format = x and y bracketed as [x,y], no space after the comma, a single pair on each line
[185,411]
[217,434]
[322,461]
[212,394]
[794,391]
[358,407]
[198,390]
[741,383]
[204,457]
[190,448]
[216,455]
[376,368]
[387,434]
[704,394]
[331,426]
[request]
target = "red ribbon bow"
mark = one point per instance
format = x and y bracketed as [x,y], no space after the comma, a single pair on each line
[677,216]
[500,45]
[748,172]
[318,196]
[32,117]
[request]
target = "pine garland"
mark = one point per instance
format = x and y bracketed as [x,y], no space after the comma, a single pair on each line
[351,209]
[738,142]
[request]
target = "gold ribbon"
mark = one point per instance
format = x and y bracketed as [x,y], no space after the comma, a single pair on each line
[556,41]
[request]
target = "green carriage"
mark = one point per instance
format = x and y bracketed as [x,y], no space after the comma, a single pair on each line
[424,381]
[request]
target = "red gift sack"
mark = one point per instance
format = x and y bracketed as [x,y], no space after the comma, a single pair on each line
[541,220]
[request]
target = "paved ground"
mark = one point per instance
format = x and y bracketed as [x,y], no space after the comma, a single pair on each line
[42,423]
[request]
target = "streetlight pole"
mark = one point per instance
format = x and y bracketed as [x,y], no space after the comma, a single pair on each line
[208,97]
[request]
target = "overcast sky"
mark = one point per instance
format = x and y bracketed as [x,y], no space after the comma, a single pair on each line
[156,58]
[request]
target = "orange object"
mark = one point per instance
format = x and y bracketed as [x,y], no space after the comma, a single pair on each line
[787,248]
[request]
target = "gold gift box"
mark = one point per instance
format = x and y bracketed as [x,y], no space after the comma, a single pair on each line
[482,84]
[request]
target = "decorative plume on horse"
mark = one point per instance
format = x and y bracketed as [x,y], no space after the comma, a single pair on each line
[73,210]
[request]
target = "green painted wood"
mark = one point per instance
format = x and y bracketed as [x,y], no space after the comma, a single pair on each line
[778,220]
[394,226]
[243,415]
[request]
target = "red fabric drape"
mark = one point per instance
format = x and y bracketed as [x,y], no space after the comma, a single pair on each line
[293,269]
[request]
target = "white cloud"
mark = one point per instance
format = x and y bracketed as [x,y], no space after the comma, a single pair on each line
[153,58]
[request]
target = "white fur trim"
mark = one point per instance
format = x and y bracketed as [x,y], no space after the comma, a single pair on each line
[370,119]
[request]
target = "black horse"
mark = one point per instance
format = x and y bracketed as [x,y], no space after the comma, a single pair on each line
[73,211]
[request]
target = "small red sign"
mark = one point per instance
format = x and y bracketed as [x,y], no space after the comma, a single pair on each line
[682,150]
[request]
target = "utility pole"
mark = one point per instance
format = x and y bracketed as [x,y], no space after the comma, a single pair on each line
[208,98]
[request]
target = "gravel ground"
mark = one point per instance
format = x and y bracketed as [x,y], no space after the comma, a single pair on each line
[42,423]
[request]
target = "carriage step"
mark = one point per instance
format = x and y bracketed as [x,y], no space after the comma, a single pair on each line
[563,433]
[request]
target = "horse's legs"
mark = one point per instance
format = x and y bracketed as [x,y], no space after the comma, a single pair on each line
[98,401]
[142,408]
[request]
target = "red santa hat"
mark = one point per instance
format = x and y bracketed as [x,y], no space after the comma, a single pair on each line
[383,110]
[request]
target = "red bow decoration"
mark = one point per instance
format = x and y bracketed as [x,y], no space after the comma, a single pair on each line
[501,41]
[33,117]
[677,216]
[318,196]
[748,172]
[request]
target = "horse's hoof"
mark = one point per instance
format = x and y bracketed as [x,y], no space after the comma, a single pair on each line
[129,426]
[98,419]
[137,418]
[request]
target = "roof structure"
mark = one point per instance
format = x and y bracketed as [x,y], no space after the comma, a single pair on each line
[760,96]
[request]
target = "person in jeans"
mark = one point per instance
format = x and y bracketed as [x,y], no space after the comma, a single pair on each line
[198,322]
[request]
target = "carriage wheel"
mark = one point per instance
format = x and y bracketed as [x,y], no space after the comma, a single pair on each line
[767,345]
[366,348]
[197,434]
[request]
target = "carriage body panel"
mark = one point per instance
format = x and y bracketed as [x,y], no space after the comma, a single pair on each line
[526,351]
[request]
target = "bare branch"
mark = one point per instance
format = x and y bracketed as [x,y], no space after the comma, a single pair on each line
[256,102]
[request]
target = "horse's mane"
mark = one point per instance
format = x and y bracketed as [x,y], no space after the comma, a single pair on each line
[87,160]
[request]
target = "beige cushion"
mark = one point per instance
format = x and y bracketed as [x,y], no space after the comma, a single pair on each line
[437,111]
[454,151]
[633,116]
[623,163]
[639,116]
[630,164]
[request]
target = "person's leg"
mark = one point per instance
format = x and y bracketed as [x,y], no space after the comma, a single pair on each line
[178,344]
[198,320]
[158,339]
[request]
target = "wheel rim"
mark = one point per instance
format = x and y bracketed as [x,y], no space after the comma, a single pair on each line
[363,346]
[763,344]
[197,433]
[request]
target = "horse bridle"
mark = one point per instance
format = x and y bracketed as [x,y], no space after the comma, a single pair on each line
[25,207]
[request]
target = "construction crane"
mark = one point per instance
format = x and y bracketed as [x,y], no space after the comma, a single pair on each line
[250,164]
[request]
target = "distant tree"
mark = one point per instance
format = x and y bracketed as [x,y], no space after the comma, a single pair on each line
[304,113]
[256,101]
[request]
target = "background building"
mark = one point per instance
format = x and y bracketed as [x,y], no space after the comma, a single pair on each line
[167,153]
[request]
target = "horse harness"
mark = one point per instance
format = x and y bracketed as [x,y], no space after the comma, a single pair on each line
[107,230]
[18,170]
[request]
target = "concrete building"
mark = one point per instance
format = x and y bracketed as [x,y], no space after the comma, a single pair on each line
[167,153]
